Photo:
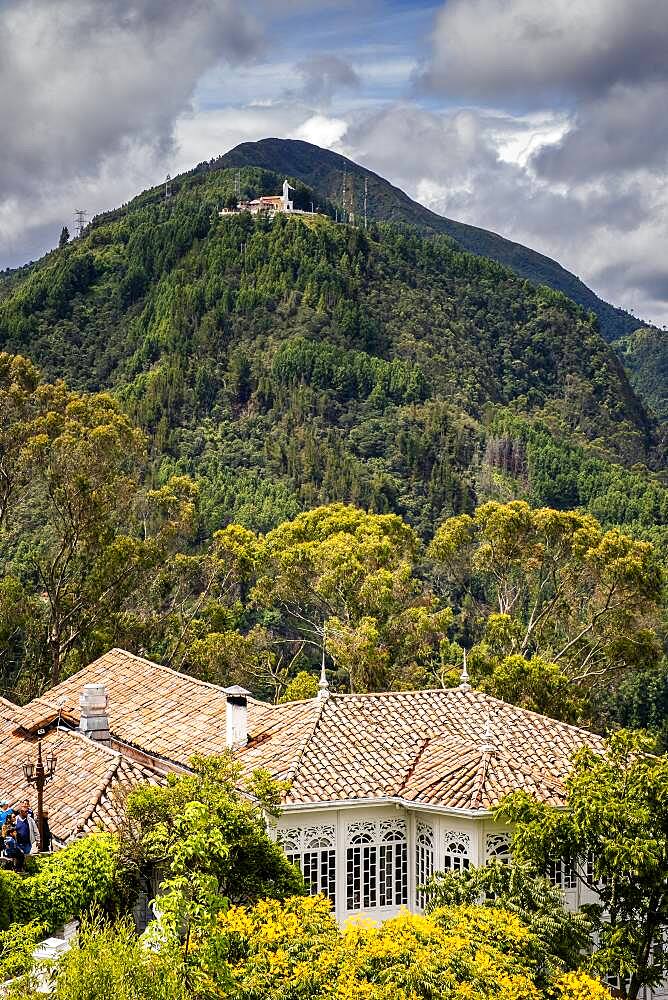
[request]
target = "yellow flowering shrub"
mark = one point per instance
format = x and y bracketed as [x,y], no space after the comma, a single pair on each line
[579,986]
[293,950]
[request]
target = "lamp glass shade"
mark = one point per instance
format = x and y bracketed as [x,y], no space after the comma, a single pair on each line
[28,769]
[51,763]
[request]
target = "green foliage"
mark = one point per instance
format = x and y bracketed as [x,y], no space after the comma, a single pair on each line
[613,832]
[17,944]
[519,889]
[209,840]
[67,883]
[302,686]
[559,474]
[644,353]
[551,584]
[345,579]
[109,960]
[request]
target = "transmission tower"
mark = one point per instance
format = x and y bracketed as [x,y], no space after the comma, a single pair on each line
[344,196]
[366,193]
[168,187]
[80,220]
[351,201]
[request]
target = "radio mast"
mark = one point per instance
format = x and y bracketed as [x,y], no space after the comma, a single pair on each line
[80,220]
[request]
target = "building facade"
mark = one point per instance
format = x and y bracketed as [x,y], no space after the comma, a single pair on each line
[383,789]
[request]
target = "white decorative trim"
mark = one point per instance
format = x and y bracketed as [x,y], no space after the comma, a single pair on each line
[361,833]
[497,845]
[392,830]
[290,839]
[425,835]
[297,839]
[456,842]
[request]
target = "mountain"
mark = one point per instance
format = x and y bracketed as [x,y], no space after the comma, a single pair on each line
[323,170]
[644,354]
[290,362]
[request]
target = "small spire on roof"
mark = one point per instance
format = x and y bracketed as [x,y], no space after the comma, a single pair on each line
[464,677]
[487,744]
[323,683]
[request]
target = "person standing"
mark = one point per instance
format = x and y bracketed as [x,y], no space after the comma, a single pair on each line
[26,829]
[6,812]
[12,850]
[46,845]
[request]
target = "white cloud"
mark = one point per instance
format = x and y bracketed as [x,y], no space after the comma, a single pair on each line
[321,131]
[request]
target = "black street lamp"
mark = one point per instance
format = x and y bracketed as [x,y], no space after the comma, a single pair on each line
[39,774]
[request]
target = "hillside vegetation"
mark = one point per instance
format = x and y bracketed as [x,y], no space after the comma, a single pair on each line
[644,354]
[296,362]
[265,423]
[324,171]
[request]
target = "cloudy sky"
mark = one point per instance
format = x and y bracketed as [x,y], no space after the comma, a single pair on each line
[545,122]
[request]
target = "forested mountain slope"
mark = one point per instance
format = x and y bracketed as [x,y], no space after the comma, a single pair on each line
[644,354]
[294,362]
[324,170]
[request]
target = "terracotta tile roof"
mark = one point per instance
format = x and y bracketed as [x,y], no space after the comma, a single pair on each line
[81,796]
[456,748]
[172,715]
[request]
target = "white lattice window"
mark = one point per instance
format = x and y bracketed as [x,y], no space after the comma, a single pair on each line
[313,850]
[376,864]
[457,851]
[497,845]
[561,873]
[424,859]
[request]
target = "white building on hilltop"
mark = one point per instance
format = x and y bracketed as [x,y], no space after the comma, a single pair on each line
[385,789]
[267,204]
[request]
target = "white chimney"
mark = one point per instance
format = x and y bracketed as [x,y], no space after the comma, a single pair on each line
[236,716]
[93,718]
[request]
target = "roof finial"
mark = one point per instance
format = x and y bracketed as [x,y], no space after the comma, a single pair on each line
[323,683]
[464,677]
[487,744]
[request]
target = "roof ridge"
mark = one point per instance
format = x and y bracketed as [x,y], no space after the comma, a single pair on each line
[476,693]
[95,801]
[416,760]
[292,771]
[479,780]
[152,663]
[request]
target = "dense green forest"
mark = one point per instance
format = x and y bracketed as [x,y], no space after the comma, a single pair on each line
[231,384]
[325,171]
[644,354]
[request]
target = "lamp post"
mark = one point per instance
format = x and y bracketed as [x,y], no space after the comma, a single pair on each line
[39,774]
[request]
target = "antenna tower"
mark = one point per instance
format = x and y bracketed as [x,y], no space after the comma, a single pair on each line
[351,201]
[343,196]
[168,187]
[80,220]
[366,193]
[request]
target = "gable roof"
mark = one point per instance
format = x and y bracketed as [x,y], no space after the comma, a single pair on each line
[171,715]
[455,748]
[82,795]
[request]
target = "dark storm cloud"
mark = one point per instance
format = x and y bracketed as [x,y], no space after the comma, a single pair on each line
[500,49]
[623,131]
[324,75]
[83,80]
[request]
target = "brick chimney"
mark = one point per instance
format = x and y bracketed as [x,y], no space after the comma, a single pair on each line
[93,719]
[236,716]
